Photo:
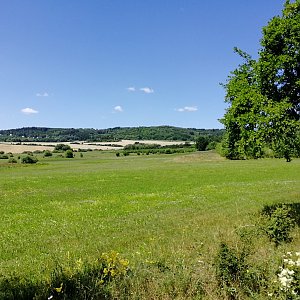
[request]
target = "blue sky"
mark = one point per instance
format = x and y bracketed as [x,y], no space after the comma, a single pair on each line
[108,63]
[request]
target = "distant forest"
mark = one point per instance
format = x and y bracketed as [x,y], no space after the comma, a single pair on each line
[44,134]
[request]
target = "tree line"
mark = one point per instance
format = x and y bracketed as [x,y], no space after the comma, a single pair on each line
[44,134]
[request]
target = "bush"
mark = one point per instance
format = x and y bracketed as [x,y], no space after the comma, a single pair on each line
[4,156]
[29,159]
[211,146]
[228,266]
[278,223]
[12,160]
[62,148]
[69,154]
[28,153]
[201,143]
[47,153]
[235,275]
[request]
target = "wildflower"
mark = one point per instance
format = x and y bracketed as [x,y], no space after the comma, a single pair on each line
[60,288]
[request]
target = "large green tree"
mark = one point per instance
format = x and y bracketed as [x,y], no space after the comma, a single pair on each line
[264,94]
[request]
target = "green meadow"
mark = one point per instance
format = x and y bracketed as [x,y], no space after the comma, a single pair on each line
[166,214]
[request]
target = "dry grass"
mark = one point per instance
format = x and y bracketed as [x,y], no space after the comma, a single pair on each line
[31,146]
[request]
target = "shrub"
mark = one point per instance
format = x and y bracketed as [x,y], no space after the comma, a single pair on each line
[28,153]
[117,154]
[28,159]
[47,153]
[211,146]
[235,275]
[12,160]
[228,266]
[37,151]
[278,223]
[62,148]
[201,143]
[4,156]
[69,154]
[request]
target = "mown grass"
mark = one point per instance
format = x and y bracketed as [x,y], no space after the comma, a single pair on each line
[166,212]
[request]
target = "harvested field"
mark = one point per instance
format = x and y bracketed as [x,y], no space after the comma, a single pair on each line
[31,146]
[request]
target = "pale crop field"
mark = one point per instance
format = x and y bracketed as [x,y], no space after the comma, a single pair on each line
[170,211]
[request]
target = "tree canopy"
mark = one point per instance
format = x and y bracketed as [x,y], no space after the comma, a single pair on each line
[44,134]
[264,94]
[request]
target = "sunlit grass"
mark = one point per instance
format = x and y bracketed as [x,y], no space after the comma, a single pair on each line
[171,208]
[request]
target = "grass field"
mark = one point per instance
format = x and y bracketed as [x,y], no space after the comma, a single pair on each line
[168,211]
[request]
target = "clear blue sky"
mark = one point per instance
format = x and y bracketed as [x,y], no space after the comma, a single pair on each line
[108,63]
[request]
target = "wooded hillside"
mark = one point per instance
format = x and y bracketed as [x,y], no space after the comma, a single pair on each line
[44,134]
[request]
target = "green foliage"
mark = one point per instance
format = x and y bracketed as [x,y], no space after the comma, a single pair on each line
[234,274]
[264,94]
[47,153]
[41,134]
[126,153]
[78,280]
[28,159]
[201,143]
[12,160]
[69,154]
[3,156]
[88,281]
[278,223]
[211,145]
[147,149]
[62,148]
[228,265]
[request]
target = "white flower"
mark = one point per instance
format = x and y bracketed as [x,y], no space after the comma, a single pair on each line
[291,272]
[284,272]
[291,262]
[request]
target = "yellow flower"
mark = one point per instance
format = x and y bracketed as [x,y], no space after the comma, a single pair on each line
[60,288]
